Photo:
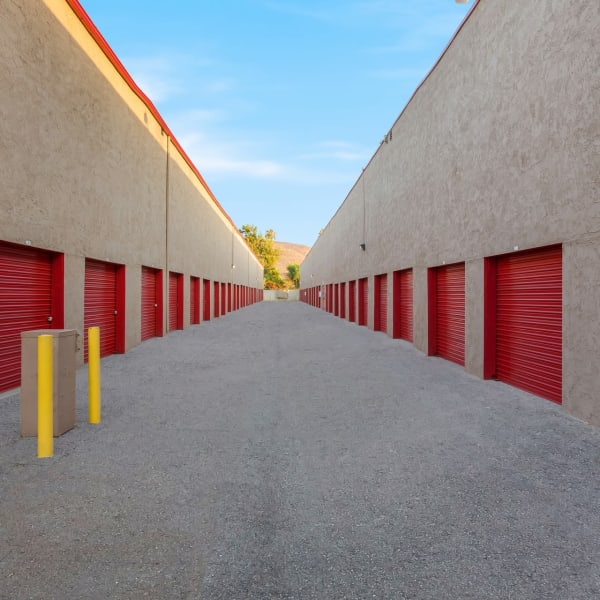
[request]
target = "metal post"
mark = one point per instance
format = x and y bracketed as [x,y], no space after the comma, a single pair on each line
[94,401]
[45,386]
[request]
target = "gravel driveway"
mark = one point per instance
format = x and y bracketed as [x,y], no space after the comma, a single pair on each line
[280,452]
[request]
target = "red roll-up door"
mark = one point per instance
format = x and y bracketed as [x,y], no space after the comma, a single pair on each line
[336,299]
[363,300]
[217,303]
[173,300]
[380,302]
[450,313]
[101,305]
[25,304]
[194,300]
[206,294]
[529,321]
[403,305]
[343,300]
[223,298]
[151,302]
[352,301]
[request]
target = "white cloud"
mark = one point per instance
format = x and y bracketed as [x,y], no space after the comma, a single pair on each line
[155,77]
[166,76]
[217,157]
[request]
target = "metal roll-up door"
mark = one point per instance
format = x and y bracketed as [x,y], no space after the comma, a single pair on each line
[150,303]
[363,300]
[100,305]
[352,301]
[173,300]
[216,301]
[206,300]
[529,321]
[343,300]
[223,298]
[194,300]
[380,303]
[336,299]
[25,304]
[403,305]
[450,313]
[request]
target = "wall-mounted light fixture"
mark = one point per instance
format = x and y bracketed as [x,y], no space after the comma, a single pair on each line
[233,266]
[363,246]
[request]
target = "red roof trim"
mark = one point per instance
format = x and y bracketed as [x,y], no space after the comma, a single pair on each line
[112,57]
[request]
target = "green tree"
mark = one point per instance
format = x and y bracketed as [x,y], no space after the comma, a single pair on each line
[294,274]
[273,279]
[264,248]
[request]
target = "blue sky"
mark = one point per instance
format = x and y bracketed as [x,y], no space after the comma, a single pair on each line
[280,104]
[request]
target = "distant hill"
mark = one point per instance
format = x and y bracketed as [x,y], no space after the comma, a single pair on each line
[291,254]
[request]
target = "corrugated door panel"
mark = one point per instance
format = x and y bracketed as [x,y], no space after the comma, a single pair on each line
[403,305]
[223,298]
[336,299]
[206,293]
[25,304]
[363,300]
[529,321]
[450,313]
[100,304]
[352,301]
[380,314]
[173,301]
[194,300]
[343,300]
[216,301]
[149,303]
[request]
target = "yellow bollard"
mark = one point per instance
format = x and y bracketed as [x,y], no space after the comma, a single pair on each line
[94,375]
[45,384]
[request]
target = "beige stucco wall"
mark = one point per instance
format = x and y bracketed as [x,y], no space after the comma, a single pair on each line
[497,150]
[84,168]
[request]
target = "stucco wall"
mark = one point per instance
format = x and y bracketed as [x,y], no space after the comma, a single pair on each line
[497,150]
[88,170]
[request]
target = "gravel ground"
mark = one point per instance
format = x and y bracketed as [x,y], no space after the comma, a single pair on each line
[280,452]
